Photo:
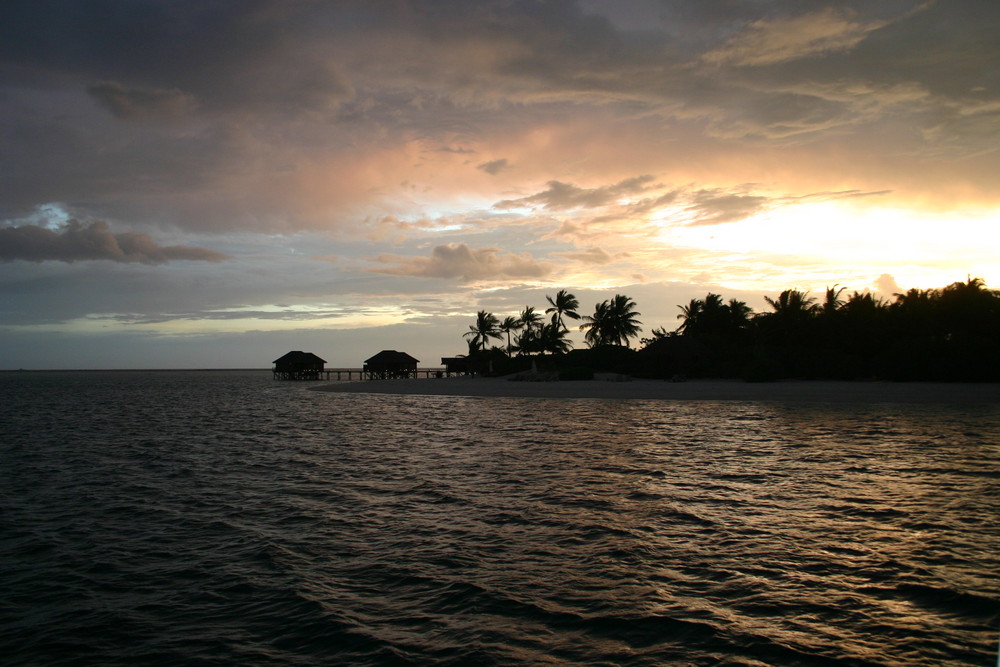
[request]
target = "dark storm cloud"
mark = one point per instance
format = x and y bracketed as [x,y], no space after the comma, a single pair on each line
[78,242]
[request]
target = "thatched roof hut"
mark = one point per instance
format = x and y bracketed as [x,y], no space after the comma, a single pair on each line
[391,364]
[298,365]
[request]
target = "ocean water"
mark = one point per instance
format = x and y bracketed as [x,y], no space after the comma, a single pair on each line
[222,518]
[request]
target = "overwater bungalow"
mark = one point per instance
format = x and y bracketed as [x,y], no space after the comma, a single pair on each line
[391,364]
[298,365]
[456,365]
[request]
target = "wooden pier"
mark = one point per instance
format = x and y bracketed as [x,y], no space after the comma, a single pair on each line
[356,374]
[386,365]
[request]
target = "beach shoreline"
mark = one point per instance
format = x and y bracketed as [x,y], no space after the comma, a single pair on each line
[816,391]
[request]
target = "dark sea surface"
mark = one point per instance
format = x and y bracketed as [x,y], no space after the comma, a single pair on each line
[223,518]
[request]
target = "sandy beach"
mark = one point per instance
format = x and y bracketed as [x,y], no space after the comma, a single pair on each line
[692,390]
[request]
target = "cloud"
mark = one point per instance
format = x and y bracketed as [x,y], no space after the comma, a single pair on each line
[308,115]
[769,42]
[572,230]
[494,167]
[452,149]
[564,196]
[649,204]
[708,206]
[373,127]
[458,260]
[77,241]
[592,255]
[715,207]
[286,314]
[838,194]
[138,104]
[886,284]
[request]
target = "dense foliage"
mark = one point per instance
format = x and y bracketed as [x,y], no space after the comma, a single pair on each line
[950,334]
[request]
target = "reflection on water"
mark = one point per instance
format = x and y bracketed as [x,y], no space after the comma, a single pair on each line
[225,518]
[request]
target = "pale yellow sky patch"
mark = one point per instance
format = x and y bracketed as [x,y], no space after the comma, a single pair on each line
[847,242]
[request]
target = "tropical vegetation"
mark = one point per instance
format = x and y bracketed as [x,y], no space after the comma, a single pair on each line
[487,326]
[951,333]
[613,322]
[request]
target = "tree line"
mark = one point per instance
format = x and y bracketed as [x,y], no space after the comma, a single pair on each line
[951,333]
[614,322]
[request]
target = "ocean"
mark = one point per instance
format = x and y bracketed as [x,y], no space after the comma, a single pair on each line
[224,518]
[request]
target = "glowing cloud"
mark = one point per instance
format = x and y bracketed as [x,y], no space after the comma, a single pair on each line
[768,42]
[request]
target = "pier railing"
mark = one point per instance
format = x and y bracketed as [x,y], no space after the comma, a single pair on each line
[330,374]
[360,374]
[356,374]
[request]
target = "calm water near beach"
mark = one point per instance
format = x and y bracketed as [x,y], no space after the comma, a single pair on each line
[221,518]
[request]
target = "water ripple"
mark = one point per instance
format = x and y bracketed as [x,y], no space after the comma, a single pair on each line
[200,518]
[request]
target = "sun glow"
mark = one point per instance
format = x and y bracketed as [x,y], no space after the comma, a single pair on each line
[836,241]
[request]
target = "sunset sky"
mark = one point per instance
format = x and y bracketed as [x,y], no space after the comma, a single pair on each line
[212,184]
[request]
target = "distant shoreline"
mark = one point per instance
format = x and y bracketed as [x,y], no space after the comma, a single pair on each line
[692,390]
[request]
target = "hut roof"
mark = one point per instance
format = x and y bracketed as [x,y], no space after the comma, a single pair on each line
[299,357]
[391,357]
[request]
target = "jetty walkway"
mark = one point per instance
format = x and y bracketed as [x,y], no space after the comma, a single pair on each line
[329,374]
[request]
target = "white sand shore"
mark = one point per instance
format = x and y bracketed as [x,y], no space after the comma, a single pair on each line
[693,390]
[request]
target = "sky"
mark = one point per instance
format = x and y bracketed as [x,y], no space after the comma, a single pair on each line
[210,184]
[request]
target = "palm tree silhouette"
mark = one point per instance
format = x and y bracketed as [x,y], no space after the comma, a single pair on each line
[612,323]
[552,339]
[714,314]
[691,314]
[529,322]
[863,302]
[564,304]
[793,304]
[916,298]
[713,317]
[915,311]
[508,325]
[625,319]
[529,318]
[484,329]
[968,309]
[595,326]
[832,302]
[739,313]
[791,323]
